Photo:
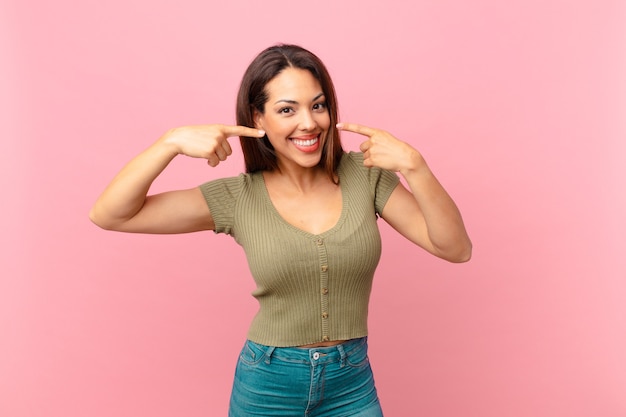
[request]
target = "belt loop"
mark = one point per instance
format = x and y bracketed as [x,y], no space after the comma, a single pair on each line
[342,353]
[268,354]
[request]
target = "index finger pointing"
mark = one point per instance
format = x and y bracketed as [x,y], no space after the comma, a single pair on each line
[356,128]
[243,131]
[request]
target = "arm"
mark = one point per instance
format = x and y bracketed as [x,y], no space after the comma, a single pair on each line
[425,214]
[125,206]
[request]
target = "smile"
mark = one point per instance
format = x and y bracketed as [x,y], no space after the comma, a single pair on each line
[306,142]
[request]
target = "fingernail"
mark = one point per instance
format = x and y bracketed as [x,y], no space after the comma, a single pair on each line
[262,132]
[339,125]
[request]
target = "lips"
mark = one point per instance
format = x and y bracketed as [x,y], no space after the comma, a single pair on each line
[308,143]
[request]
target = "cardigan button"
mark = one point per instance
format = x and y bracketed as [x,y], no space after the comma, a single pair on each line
[320,242]
[324,268]
[324,315]
[325,339]
[324,291]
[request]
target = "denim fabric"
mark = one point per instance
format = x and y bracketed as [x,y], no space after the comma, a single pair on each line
[333,381]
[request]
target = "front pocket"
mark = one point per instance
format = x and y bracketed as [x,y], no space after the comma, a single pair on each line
[357,357]
[252,354]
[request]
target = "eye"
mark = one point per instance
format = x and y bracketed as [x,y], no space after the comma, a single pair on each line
[285,110]
[319,106]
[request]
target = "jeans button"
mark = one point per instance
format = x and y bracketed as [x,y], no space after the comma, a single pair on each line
[316,355]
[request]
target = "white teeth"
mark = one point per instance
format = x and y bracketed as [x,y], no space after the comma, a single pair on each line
[308,142]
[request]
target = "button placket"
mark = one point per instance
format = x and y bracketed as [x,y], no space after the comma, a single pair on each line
[323,265]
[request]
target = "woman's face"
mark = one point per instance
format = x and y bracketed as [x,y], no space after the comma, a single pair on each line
[296,118]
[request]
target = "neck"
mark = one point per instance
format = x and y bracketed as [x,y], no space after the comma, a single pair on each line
[299,179]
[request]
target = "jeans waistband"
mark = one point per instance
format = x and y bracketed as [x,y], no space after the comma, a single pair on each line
[319,355]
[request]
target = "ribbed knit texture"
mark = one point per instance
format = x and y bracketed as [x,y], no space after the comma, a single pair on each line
[310,288]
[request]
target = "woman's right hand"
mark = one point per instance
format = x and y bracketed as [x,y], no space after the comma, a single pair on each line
[124,204]
[207,141]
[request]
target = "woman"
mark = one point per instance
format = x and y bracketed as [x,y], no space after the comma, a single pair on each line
[305,214]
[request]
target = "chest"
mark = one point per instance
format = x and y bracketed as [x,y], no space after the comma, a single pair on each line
[315,212]
[298,241]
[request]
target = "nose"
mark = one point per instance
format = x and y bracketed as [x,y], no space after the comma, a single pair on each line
[307,121]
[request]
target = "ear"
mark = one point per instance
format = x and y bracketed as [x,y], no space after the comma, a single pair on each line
[258,119]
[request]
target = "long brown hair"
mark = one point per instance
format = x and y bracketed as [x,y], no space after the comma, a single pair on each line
[259,153]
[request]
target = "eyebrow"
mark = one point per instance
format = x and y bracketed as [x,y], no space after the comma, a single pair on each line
[317,97]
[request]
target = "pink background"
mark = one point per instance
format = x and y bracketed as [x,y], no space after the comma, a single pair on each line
[518,106]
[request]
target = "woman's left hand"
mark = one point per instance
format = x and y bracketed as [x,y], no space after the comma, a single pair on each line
[383,150]
[425,214]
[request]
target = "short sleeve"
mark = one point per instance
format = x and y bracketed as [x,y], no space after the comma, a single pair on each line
[221,196]
[381,181]
[386,182]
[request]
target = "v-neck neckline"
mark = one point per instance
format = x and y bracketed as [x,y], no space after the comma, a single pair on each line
[272,208]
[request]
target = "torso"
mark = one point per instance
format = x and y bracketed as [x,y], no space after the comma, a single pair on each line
[314,212]
[284,253]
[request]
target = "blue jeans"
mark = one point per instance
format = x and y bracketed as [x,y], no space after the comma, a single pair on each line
[332,381]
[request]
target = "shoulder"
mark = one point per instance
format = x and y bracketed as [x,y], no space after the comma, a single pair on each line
[379,182]
[224,195]
[237,179]
[352,164]
[230,185]
[352,158]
